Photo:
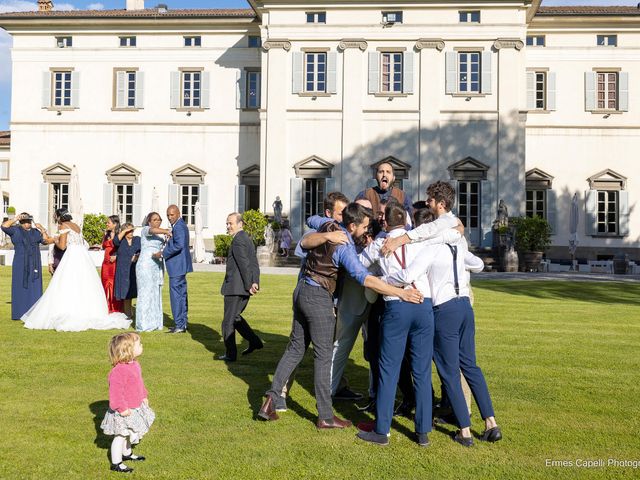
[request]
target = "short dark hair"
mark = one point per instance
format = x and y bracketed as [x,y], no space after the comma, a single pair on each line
[420,204]
[395,215]
[333,197]
[423,215]
[442,192]
[355,213]
[148,218]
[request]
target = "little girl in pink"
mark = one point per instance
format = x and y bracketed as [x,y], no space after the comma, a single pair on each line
[129,416]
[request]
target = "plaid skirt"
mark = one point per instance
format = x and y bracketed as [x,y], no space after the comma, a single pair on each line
[134,426]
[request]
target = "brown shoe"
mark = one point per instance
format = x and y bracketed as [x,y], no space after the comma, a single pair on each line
[334,422]
[268,410]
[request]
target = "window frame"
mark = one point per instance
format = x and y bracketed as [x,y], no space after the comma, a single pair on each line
[544,82]
[466,16]
[127,71]
[195,41]
[316,72]
[315,189]
[459,72]
[317,17]
[606,92]
[534,210]
[189,71]
[54,73]
[190,215]
[248,74]
[534,41]
[65,41]
[130,41]
[5,164]
[126,213]
[606,212]
[381,87]
[57,197]
[606,40]
[256,39]
[399,17]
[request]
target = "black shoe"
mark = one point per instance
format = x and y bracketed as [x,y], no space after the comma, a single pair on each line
[464,441]
[422,439]
[492,435]
[373,437]
[134,458]
[225,358]
[121,467]
[404,409]
[370,407]
[346,394]
[252,348]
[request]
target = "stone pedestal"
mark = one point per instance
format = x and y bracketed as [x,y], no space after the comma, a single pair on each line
[266,258]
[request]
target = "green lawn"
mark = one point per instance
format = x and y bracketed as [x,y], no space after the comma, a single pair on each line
[560,358]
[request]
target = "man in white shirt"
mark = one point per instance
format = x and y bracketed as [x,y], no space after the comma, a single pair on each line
[402,320]
[454,345]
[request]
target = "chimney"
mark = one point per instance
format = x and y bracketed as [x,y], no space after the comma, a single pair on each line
[135,4]
[45,5]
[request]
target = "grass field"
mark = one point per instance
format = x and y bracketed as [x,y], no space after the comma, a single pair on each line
[561,360]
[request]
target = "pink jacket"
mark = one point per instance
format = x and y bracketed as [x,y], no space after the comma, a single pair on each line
[126,387]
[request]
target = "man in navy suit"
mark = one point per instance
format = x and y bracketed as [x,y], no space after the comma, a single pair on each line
[177,258]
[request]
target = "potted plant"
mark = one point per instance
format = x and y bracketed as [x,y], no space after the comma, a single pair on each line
[11,212]
[532,238]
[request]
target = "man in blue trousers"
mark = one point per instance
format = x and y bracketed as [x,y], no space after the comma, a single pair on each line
[177,259]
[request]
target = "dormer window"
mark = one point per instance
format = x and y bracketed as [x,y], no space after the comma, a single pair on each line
[128,41]
[389,18]
[472,16]
[64,42]
[195,41]
[316,17]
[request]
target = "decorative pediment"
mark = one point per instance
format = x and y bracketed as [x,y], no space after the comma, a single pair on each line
[250,175]
[607,180]
[313,167]
[468,169]
[122,173]
[537,179]
[188,175]
[57,173]
[400,169]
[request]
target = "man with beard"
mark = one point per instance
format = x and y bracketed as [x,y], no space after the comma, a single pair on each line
[385,189]
[313,318]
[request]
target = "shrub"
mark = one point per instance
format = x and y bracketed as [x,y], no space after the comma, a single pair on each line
[93,228]
[11,210]
[222,243]
[533,234]
[254,224]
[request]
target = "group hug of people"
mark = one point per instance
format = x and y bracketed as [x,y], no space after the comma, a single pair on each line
[133,267]
[364,266]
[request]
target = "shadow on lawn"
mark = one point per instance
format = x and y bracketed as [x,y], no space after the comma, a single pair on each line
[593,292]
[99,409]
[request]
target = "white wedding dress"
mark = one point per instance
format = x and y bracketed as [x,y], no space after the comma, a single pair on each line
[74,300]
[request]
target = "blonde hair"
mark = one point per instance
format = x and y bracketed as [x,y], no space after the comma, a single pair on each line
[121,347]
[124,226]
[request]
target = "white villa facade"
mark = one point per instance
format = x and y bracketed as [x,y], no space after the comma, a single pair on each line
[292,99]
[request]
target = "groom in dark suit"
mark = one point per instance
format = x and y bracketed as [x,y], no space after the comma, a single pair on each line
[240,282]
[177,258]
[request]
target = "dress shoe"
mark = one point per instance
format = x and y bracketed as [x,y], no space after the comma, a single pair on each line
[252,348]
[422,439]
[366,426]
[121,467]
[134,458]
[267,410]
[404,409]
[347,394]
[281,404]
[373,437]
[334,422]
[464,441]
[226,358]
[370,407]
[492,435]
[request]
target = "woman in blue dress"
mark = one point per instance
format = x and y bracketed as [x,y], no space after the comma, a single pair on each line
[125,280]
[150,275]
[26,273]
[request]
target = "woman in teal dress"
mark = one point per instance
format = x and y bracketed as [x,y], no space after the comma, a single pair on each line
[150,275]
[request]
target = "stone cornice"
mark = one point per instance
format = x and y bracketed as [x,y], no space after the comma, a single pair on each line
[281,43]
[353,43]
[436,43]
[508,43]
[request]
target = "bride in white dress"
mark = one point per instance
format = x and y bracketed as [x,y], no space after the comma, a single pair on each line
[74,300]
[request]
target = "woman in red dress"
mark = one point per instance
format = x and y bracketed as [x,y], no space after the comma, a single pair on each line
[108,273]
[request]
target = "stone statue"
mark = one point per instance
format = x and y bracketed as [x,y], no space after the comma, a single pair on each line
[502,220]
[277,210]
[269,237]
